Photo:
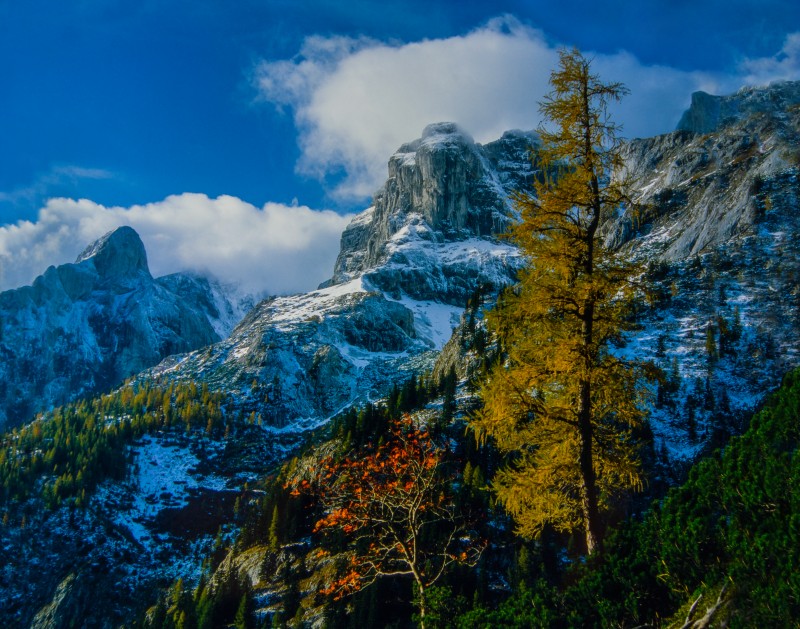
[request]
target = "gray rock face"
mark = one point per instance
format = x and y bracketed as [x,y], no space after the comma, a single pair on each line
[717,226]
[406,268]
[445,181]
[120,253]
[709,212]
[710,113]
[697,192]
[299,359]
[83,328]
[61,609]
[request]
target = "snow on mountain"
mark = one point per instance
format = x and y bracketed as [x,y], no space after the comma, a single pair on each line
[715,225]
[83,328]
[165,475]
[716,228]
[406,268]
[717,222]
[98,563]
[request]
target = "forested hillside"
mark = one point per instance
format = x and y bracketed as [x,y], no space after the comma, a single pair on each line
[540,389]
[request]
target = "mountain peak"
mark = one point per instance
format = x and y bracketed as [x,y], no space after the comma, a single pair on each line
[709,113]
[445,128]
[118,253]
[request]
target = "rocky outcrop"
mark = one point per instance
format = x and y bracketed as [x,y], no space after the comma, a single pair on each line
[715,224]
[441,188]
[408,265]
[709,113]
[695,192]
[118,254]
[83,328]
[62,611]
[299,359]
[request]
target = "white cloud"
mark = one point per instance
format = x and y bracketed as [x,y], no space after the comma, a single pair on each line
[784,66]
[356,101]
[276,248]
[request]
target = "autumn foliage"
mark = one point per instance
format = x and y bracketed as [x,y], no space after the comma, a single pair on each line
[393,507]
[563,403]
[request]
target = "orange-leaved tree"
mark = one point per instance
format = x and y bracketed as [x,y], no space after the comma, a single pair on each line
[393,505]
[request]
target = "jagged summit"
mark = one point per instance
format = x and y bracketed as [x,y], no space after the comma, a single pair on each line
[407,266]
[118,253]
[438,133]
[709,113]
[697,189]
[82,328]
[716,225]
[441,188]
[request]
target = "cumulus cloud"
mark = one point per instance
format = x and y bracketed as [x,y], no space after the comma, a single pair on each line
[355,101]
[784,66]
[274,249]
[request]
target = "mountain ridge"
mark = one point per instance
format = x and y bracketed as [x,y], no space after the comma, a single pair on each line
[432,239]
[407,266]
[82,328]
[716,227]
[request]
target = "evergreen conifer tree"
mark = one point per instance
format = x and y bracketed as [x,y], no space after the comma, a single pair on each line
[242,620]
[274,529]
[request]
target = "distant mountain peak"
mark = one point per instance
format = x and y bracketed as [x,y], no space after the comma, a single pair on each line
[709,113]
[445,128]
[118,253]
[441,188]
[83,328]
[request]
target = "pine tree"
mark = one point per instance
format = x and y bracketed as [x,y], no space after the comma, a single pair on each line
[242,620]
[711,343]
[274,529]
[560,403]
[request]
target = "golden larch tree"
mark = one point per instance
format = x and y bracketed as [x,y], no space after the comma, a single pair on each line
[561,403]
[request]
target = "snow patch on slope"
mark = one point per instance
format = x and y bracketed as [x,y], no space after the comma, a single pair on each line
[164,476]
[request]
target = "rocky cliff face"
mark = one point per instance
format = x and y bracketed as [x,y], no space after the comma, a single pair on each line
[441,189]
[714,223]
[717,223]
[716,227]
[84,327]
[407,266]
[697,190]
[709,113]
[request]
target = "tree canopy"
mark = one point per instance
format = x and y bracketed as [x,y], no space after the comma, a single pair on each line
[561,402]
[392,504]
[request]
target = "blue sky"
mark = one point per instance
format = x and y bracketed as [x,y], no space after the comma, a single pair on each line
[144,107]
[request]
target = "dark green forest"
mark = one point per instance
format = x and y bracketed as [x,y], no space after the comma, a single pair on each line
[726,539]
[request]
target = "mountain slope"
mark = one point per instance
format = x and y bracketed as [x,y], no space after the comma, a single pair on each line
[407,266]
[83,328]
[717,225]
[714,220]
